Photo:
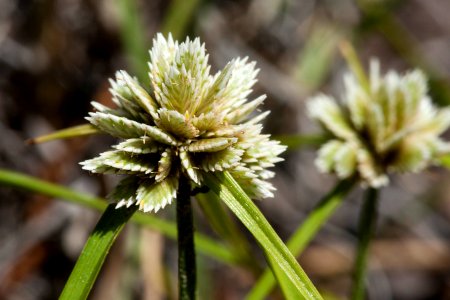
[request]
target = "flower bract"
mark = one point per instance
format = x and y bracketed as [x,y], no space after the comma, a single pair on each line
[389,126]
[184,122]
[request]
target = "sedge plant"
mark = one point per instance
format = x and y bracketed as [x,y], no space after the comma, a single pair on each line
[185,129]
[386,124]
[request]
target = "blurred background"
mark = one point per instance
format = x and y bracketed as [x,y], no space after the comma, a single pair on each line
[57,55]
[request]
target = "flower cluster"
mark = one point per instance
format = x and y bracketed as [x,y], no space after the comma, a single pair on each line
[186,123]
[387,125]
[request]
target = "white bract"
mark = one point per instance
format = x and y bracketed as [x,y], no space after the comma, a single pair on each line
[185,122]
[391,126]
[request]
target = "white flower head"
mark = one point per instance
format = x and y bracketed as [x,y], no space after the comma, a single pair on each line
[185,122]
[391,126]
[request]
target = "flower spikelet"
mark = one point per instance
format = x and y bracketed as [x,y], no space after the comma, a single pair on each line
[390,126]
[185,122]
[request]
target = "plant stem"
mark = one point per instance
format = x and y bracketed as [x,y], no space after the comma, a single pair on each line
[367,224]
[186,252]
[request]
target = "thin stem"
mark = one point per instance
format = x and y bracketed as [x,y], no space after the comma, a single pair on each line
[186,252]
[367,224]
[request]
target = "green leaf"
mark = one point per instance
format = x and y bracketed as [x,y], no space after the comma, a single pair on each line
[179,15]
[354,62]
[80,130]
[94,252]
[133,37]
[234,197]
[204,244]
[303,235]
[445,161]
[224,225]
[315,60]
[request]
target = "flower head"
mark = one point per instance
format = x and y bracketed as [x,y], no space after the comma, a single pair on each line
[390,125]
[185,123]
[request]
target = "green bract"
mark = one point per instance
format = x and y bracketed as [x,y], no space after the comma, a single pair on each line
[186,121]
[390,126]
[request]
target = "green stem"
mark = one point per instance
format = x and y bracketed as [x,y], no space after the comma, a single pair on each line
[95,251]
[305,233]
[367,223]
[186,251]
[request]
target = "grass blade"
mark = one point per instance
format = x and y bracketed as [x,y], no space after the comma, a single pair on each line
[204,244]
[304,234]
[95,251]
[133,37]
[226,228]
[179,15]
[235,198]
[367,223]
[80,130]
[295,141]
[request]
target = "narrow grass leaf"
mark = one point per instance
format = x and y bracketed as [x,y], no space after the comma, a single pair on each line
[302,236]
[295,141]
[95,251]
[80,130]
[204,244]
[242,206]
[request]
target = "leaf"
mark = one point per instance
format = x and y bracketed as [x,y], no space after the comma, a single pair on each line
[80,130]
[94,252]
[211,145]
[134,40]
[234,197]
[203,243]
[125,128]
[303,235]
[152,196]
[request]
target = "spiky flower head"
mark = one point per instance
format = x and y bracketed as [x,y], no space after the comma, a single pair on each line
[387,125]
[184,123]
